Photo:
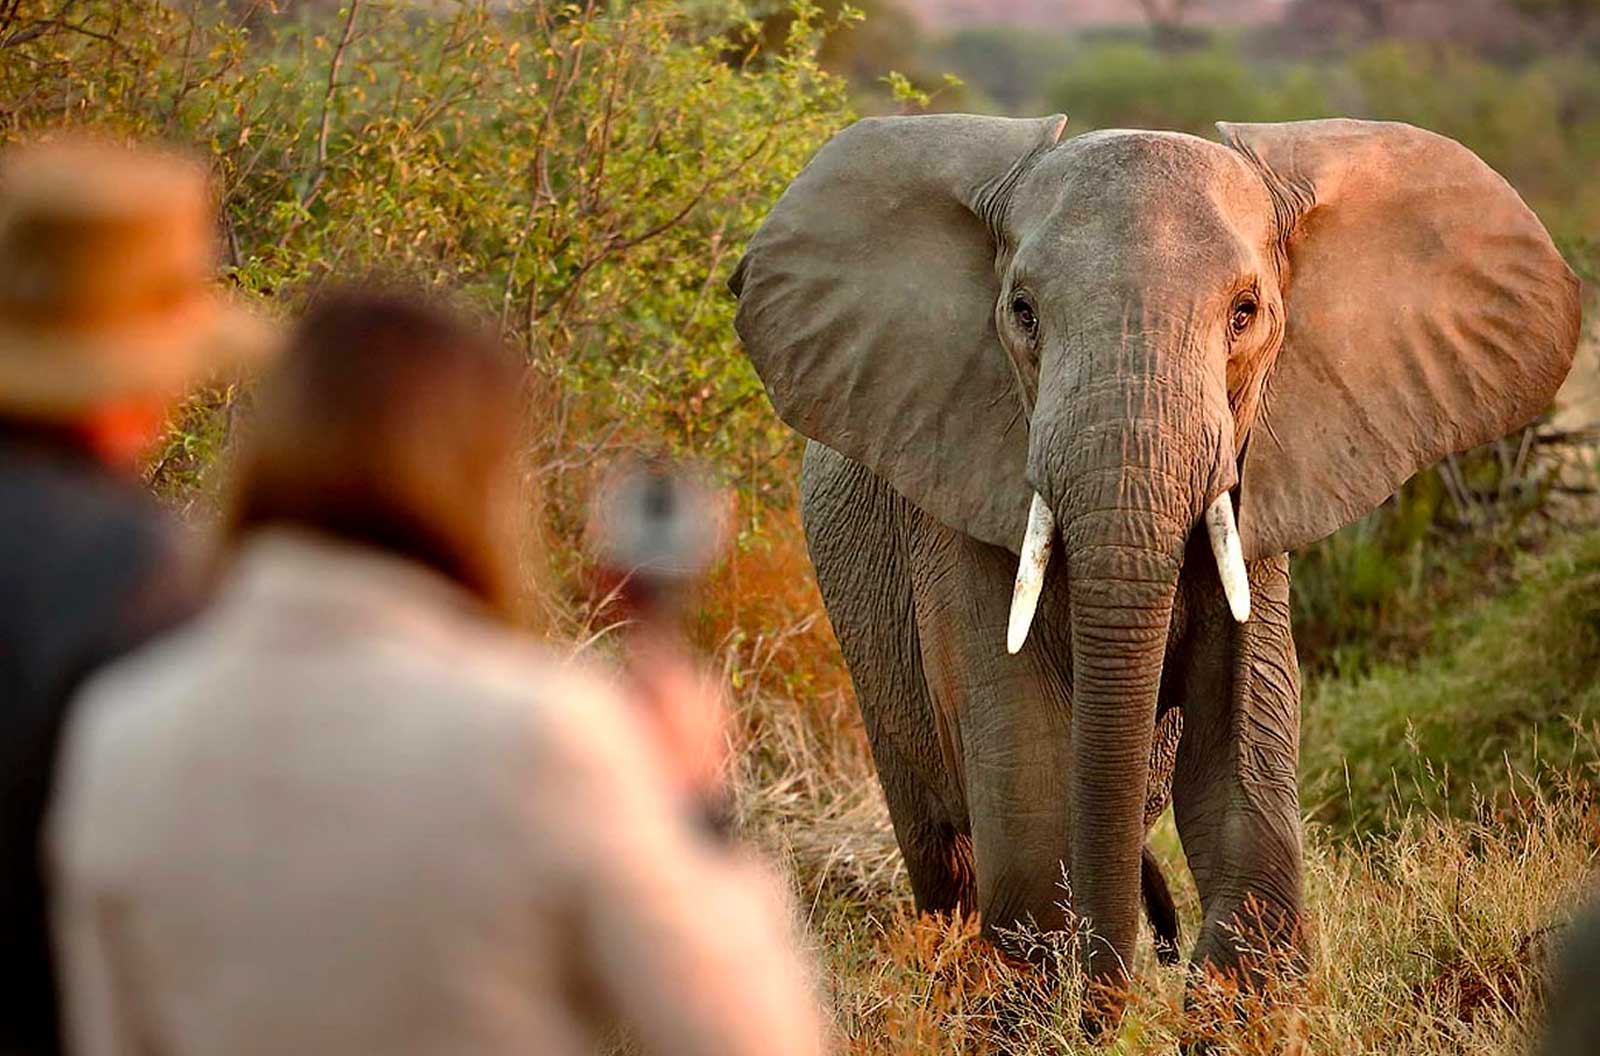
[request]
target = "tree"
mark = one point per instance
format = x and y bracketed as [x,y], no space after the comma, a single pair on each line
[1507,31]
[1572,21]
[1166,20]
[585,174]
[1378,14]
[1362,18]
[873,44]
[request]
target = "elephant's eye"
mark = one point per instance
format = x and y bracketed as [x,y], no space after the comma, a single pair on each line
[1026,318]
[1244,312]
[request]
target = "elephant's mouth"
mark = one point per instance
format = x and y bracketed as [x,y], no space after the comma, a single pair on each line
[1039,541]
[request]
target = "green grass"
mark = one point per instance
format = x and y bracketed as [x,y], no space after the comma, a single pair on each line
[1509,686]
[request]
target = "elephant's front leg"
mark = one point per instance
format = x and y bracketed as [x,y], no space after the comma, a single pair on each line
[1013,721]
[1234,790]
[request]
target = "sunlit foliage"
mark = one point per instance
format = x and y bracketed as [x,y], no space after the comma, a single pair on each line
[586,173]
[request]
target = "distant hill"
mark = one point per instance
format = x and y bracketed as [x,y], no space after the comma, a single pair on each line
[1065,14]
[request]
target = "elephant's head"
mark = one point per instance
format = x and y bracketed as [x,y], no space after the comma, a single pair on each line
[1099,340]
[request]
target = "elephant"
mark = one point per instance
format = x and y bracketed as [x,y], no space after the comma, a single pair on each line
[1070,402]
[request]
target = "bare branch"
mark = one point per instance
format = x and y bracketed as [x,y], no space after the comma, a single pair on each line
[39,28]
[333,84]
[320,169]
[617,244]
[1455,484]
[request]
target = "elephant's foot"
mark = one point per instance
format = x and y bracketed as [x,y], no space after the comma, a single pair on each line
[1255,943]
[939,862]
[1220,1015]
[1247,972]
[1104,1002]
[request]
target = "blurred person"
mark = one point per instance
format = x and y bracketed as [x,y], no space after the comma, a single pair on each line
[1573,1011]
[349,810]
[106,316]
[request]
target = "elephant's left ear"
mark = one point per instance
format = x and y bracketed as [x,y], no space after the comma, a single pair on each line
[1427,312]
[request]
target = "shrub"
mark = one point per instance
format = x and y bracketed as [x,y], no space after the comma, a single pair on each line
[1128,84]
[1451,535]
[1508,693]
[585,172]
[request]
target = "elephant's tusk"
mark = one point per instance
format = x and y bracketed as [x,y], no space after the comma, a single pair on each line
[1036,547]
[1228,551]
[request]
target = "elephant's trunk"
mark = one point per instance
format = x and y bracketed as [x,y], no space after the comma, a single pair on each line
[1128,457]
[1121,596]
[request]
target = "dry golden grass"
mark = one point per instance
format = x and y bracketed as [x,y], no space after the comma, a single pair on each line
[1432,938]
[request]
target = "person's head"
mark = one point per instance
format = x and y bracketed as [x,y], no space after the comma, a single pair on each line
[393,423]
[107,314]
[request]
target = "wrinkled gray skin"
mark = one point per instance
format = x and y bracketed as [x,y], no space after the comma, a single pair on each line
[963,311]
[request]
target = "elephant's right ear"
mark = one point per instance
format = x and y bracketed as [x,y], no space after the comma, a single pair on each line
[867,302]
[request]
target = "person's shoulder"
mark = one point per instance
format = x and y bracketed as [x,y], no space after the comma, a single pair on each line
[83,538]
[83,499]
[559,705]
[526,678]
[134,699]
[126,725]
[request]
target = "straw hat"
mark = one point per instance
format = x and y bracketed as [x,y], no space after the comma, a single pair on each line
[107,255]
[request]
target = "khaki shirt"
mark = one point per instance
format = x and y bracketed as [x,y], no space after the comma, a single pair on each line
[343,812]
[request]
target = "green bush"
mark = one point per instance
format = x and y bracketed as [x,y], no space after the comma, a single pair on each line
[1506,700]
[587,173]
[1129,84]
[1372,592]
